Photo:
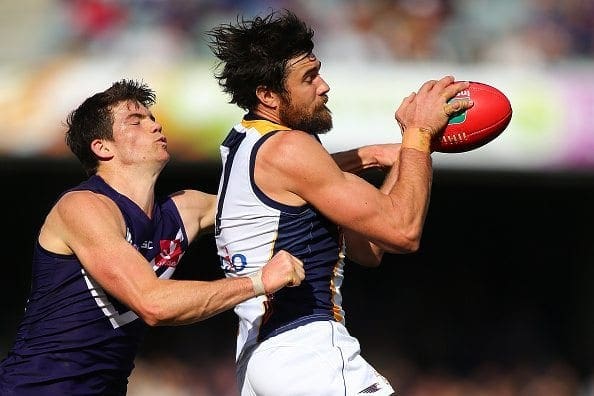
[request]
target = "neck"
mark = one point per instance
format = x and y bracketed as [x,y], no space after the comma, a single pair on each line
[267,113]
[139,188]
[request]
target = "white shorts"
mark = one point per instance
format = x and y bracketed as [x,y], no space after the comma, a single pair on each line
[319,358]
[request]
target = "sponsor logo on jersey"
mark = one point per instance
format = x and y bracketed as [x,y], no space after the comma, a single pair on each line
[234,263]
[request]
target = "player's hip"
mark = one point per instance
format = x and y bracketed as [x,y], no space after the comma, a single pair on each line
[319,358]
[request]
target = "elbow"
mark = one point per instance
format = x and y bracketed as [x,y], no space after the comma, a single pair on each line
[405,242]
[412,241]
[152,321]
[153,314]
[411,246]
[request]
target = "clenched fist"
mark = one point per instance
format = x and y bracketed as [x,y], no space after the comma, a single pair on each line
[282,270]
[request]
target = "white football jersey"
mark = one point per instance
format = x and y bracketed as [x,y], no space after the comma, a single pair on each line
[251,228]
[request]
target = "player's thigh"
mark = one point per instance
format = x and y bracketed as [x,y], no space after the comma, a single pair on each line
[359,376]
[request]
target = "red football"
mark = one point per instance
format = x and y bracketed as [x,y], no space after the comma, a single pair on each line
[480,124]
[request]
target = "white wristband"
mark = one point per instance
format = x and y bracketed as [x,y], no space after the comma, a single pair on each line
[257,284]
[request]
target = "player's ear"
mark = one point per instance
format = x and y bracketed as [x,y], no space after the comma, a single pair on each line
[267,97]
[101,149]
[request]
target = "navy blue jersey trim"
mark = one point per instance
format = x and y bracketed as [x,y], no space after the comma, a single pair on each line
[259,193]
[303,320]
[232,142]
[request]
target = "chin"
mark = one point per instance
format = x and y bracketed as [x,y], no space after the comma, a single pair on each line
[165,159]
[324,126]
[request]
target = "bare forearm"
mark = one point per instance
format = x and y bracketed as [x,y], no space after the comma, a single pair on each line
[350,160]
[360,249]
[176,302]
[391,177]
[367,252]
[169,302]
[410,188]
[372,156]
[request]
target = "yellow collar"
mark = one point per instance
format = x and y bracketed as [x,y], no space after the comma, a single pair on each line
[264,126]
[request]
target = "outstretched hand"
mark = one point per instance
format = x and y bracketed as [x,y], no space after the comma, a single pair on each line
[282,270]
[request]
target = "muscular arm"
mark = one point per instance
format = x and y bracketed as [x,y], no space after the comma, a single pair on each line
[98,240]
[293,168]
[392,220]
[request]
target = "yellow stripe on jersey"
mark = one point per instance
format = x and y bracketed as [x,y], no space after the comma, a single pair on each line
[336,282]
[264,126]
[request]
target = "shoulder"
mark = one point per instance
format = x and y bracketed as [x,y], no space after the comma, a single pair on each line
[84,208]
[78,214]
[285,148]
[74,201]
[296,162]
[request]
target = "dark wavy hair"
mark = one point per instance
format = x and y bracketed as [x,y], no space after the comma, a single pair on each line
[255,53]
[93,118]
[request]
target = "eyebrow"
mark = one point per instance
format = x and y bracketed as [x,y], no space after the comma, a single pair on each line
[139,115]
[314,69]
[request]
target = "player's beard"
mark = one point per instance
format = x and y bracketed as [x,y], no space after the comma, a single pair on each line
[298,118]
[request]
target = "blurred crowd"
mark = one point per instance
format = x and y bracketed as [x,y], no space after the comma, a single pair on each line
[169,377]
[466,31]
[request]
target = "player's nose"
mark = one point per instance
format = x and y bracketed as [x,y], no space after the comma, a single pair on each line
[323,87]
[156,127]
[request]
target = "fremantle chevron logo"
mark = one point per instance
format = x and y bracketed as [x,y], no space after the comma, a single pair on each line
[170,254]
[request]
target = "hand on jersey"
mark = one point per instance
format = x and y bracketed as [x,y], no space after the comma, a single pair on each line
[282,270]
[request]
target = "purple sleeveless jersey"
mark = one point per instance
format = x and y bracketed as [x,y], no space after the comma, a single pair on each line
[74,338]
